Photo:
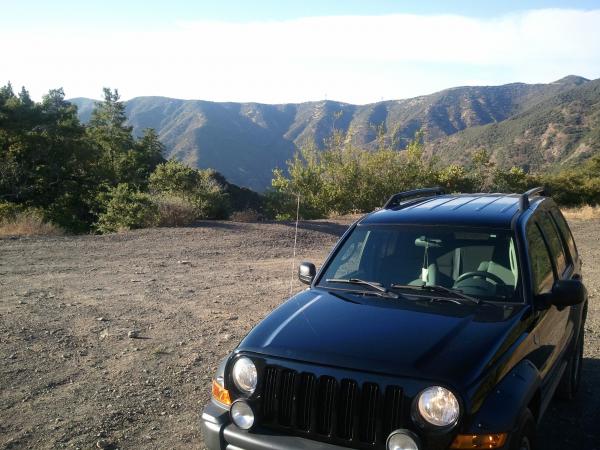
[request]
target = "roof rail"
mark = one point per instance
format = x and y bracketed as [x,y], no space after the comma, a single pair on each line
[524,200]
[395,199]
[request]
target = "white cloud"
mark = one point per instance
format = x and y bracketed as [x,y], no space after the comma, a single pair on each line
[351,58]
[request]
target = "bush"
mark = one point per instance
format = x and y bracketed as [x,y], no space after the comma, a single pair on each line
[201,188]
[248,215]
[9,210]
[127,208]
[174,211]
[27,223]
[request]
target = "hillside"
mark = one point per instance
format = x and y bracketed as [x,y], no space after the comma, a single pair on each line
[561,130]
[245,141]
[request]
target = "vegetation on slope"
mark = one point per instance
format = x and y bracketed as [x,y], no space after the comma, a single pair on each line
[562,130]
[101,176]
[97,176]
[244,141]
[344,179]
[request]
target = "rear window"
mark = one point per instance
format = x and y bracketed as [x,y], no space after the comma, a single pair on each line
[565,232]
[539,259]
[554,242]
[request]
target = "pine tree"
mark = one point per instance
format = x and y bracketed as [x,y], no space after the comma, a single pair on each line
[111,135]
[45,159]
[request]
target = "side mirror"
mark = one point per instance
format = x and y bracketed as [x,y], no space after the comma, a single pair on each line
[567,293]
[306,272]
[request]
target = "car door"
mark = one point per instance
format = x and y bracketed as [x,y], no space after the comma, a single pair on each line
[548,262]
[542,274]
[562,324]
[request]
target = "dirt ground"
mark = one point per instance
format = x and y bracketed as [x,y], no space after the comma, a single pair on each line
[71,377]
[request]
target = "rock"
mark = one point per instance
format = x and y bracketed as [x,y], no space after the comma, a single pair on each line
[12,356]
[103,443]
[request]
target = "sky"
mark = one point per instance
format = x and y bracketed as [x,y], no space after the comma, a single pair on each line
[292,51]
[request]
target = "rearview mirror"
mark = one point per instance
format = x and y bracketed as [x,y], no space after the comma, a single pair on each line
[307,272]
[567,293]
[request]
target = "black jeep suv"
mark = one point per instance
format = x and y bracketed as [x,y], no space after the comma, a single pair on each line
[438,322]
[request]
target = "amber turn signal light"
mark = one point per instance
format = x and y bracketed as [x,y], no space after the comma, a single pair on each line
[479,441]
[220,394]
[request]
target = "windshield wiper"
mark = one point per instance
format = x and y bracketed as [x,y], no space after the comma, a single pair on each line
[435,288]
[372,284]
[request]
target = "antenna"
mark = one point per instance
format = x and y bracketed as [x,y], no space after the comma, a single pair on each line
[295,242]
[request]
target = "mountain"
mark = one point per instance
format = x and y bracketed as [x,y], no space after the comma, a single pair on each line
[245,141]
[563,129]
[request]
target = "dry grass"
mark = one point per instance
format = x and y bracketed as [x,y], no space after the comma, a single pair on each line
[29,223]
[175,212]
[248,215]
[582,213]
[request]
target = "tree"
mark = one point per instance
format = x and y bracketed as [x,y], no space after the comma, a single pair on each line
[343,178]
[139,162]
[123,158]
[199,187]
[45,158]
[127,208]
[112,137]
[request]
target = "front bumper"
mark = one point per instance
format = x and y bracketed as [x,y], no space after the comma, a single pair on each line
[220,434]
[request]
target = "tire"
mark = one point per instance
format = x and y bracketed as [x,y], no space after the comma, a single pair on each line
[524,437]
[571,379]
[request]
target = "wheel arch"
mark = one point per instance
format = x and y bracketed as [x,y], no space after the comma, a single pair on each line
[501,410]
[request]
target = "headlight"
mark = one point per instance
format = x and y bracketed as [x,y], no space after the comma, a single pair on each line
[402,440]
[438,406]
[244,375]
[242,415]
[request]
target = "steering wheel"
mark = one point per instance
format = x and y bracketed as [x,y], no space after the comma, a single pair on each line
[481,274]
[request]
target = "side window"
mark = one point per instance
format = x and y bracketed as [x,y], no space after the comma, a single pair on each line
[565,231]
[539,259]
[554,242]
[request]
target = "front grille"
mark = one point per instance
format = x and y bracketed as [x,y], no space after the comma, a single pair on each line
[329,409]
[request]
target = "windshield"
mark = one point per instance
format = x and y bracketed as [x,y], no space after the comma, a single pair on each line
[481,264]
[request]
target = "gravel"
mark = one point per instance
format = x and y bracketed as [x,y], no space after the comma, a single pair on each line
[68,305]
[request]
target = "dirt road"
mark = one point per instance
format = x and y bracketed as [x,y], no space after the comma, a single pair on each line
[71,377]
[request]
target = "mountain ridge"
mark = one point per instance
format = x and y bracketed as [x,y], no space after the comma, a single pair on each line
[245,141]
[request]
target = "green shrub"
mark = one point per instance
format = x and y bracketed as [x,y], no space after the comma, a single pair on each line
[9,210]
[174,211]
[514,179]
[201,188]
[127,208]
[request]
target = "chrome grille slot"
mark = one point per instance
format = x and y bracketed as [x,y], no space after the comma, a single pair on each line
[339,410]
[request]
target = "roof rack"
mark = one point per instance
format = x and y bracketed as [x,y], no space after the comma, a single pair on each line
[524,200]
[395,199]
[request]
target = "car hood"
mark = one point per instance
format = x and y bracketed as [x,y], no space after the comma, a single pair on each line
[439,341]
